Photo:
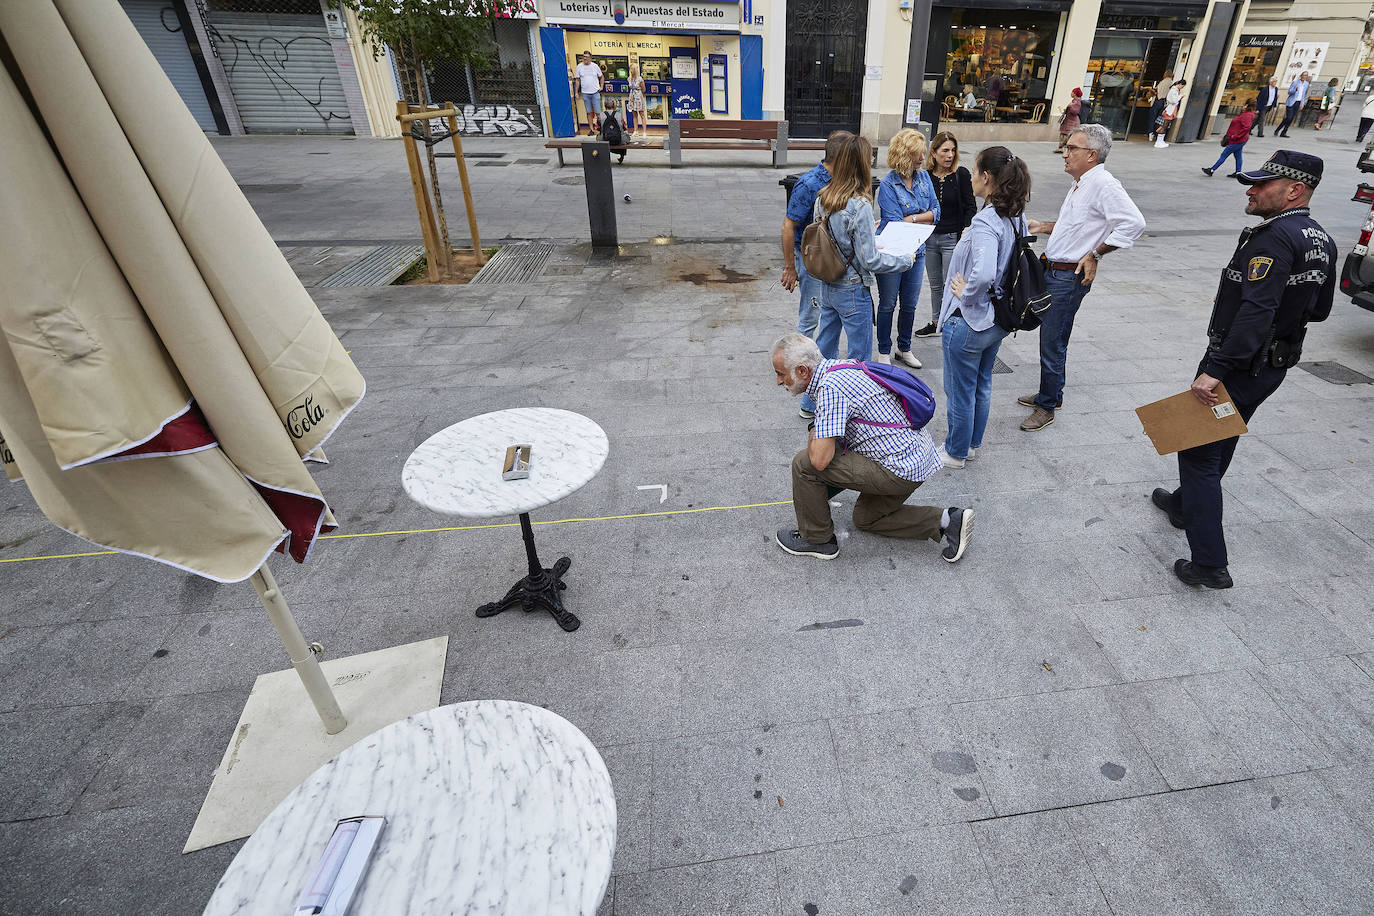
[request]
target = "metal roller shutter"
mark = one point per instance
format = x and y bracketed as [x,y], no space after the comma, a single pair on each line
[281,71]
[157,23]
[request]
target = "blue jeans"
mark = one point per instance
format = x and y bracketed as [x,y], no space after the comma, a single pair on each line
[1232,149]
[1066,295]
[969,358]
[809,310]
[938,253]
[847,308]
[905,286]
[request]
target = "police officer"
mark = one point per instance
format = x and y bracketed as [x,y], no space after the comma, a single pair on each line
[1281,276]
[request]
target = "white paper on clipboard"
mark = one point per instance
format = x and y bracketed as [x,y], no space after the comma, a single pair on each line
[903,238]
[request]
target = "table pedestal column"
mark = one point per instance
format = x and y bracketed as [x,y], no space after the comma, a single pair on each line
[539,589]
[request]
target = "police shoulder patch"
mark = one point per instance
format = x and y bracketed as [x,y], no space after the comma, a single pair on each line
[1259,268]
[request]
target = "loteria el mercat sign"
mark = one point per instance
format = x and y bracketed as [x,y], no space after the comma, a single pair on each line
[701,15]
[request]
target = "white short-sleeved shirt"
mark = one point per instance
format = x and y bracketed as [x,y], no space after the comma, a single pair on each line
[590,75]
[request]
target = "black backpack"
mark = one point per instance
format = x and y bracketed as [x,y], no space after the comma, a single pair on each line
[611,132]
[1021,302]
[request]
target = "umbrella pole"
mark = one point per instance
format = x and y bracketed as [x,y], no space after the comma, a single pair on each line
[302,658]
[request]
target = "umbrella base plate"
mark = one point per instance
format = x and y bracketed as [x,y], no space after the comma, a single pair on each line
[538,591]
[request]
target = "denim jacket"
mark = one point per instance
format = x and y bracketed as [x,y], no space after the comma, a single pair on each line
[854,235]
[895,202]
[981,256]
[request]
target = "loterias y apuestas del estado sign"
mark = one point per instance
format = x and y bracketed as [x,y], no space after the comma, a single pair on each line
[667,14]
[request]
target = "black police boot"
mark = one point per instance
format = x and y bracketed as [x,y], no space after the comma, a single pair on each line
[1165,500]
[1189,573]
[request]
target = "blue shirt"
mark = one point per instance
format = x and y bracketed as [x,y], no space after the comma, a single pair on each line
[846,394]
[895,202]
[804,197]
[981,257]
[1297,91]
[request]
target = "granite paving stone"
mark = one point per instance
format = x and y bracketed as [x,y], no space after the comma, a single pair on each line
[741,886]
[1037,866]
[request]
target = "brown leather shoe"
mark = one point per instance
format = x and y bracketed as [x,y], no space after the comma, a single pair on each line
[1028,400]
[1039,419]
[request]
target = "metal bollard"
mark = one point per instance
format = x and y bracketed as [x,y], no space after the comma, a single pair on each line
[596,169]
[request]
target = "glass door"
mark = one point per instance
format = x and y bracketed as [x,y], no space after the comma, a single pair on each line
[1115,71]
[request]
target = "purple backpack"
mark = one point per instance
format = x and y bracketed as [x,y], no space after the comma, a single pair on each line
[915,396]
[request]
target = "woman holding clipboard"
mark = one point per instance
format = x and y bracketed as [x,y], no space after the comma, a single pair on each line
[907,195]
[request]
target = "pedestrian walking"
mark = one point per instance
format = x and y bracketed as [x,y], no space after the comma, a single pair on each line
[970,337]
[799,207]
[862,440]
[1161,90]
[590,82]
[1236,136]
[906,194]
[1071,118]
[1297,95]
[637,107]
[1329,100]
[1281,276]
[1097,217]
[1268,97]
[954,189]
[846,203]
[1169,113]
[1366,118]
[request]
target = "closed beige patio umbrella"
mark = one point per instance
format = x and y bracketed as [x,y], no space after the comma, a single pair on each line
[163,373]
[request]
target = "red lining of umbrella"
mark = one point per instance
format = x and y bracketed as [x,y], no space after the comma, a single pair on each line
[187,433]
[300,514]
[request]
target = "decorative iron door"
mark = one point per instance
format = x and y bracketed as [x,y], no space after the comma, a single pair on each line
[825,65]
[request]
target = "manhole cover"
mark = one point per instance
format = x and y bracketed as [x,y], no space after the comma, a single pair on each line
[999,367]
[268,188]
[570,180]
[1335,373]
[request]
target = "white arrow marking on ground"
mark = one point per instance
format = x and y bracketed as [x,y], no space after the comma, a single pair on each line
[663,487]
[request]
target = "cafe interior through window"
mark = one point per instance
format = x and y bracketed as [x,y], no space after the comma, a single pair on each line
[1000,65]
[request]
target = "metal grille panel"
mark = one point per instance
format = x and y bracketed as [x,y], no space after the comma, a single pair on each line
[160,29]
[1336,374]
[519,263]
[378,267]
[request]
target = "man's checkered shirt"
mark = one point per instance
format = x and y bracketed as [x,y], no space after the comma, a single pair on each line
[844,394]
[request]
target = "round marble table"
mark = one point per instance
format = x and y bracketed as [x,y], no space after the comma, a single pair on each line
[491,806]
[457,471]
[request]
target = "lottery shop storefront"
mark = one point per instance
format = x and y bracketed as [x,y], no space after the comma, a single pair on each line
[690,55]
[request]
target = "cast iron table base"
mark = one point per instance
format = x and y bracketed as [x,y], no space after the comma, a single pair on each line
[539,589]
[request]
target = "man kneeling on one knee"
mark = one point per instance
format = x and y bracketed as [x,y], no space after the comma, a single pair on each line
[861,440]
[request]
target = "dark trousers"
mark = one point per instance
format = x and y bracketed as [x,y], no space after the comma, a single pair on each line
[1288,117]
[1066,290]
[1198,497]
[1259,120]
[1364,129]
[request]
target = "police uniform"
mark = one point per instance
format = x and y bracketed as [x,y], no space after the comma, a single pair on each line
[1281,276]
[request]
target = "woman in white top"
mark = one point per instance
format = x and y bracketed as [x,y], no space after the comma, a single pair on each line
[1366,118]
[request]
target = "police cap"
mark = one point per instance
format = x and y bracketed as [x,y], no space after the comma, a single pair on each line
[1286,163]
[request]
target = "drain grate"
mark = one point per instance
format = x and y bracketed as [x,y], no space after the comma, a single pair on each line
[442,154]
[268,188]
[999,367]
[493,164]
[1335,373]
[378,267]
[531,162]
[518,263]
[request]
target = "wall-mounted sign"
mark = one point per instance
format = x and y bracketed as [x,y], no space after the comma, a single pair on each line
[700,15]
[1263,41]
[334,24]
[1308,57]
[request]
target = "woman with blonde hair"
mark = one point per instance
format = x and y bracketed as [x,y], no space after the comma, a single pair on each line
[906,194]
[846,203]
[637,105]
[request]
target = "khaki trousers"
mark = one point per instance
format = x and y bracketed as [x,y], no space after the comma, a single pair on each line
[881,507]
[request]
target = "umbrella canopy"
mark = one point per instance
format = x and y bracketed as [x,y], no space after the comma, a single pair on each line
[163,373]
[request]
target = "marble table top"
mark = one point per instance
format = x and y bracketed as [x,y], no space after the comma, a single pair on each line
[457,470]
[492,807]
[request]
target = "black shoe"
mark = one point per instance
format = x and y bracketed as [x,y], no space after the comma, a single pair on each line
[1189,573]
[957,533]
[929,330]
[1165,500]
[1232,174]
[1207,172]
[790,540]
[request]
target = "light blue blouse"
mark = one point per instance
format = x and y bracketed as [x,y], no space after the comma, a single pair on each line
[981,257]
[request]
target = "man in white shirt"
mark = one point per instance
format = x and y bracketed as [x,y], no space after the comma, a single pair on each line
[1297,94]
[1097,217]
[591,81]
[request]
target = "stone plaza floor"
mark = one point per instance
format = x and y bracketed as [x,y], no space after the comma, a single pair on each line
[1053,725]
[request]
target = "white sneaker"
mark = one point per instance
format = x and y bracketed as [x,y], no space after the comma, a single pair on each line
[972,454]
[884,358]
[1160,144]
[905,356]
[947,460]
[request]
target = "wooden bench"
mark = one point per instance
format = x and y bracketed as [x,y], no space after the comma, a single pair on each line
[718,133]
[820,145]
[561,143]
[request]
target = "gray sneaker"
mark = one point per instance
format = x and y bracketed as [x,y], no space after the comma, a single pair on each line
[1028,400]
[1039,418]
[957,533]
[790,540]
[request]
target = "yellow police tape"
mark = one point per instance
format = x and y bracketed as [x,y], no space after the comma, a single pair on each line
[378,534]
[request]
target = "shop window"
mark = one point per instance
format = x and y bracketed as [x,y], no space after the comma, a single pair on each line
[1251,69]
[1002,58]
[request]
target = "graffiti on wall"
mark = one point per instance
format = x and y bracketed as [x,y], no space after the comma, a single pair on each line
[506,120]
[272,58]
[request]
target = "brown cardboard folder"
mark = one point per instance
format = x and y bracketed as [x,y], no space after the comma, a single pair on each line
[1183,421]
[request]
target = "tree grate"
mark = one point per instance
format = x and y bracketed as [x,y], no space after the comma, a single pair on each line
[379,267]
[517,263]
[1335,373]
